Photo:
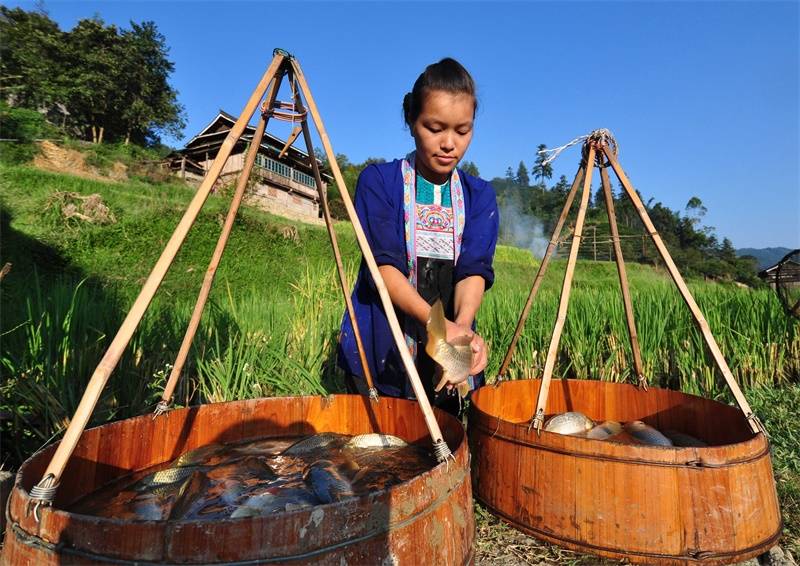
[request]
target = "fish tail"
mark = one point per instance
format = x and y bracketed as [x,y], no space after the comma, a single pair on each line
[436,327]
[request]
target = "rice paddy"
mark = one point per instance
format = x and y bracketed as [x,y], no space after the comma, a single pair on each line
[272,324]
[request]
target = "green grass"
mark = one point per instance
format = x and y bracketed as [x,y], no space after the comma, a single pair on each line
[273,317]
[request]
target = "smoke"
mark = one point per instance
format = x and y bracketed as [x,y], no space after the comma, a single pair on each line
[522,230]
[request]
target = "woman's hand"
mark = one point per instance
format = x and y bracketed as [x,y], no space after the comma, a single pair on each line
[480,355]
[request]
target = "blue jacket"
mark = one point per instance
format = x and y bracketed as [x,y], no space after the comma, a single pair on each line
[379,205]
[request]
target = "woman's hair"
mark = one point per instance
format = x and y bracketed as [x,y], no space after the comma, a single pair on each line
[448,75]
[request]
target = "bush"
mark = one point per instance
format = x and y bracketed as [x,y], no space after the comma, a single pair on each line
[22,124]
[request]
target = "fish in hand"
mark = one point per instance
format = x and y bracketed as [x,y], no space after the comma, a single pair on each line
[454,358]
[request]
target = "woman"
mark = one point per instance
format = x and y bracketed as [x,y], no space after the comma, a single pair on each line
[433,231]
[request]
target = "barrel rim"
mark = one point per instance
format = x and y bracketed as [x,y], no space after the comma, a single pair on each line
[51,516]
[719,455]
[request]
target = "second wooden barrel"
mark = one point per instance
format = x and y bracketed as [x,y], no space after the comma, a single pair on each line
[426,520]
[647,504]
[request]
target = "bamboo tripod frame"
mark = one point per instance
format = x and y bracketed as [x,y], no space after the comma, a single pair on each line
[282,63]
[598,152]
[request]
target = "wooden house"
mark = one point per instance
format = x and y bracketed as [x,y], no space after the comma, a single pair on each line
[282,181]
[789,274]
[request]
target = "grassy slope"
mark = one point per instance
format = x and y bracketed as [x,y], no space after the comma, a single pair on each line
[259,262]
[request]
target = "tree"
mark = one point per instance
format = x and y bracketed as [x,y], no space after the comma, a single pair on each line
[522,175]
[150,104]
[31,59]
[470,168]
[562,186]
[111,83]
[93,53]
[542,170]
[510,175]
[695,209]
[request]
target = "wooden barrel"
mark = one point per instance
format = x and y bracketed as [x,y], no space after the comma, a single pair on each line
[426,520]
[647,504]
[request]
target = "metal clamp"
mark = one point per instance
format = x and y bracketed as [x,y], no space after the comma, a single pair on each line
[442,452]
[161,408]
[43,494]
[537,421]
[373,395]
[279,51]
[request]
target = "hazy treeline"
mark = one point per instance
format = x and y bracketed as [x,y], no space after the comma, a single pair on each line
[96,82]
[696,248]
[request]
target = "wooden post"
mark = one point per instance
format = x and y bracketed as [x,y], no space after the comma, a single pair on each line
[552,352]
[290,140]
[548,254]
[45,490]
[441,449]
[623,278]
[326,213]
[216,256]
[685,293]
[183,167]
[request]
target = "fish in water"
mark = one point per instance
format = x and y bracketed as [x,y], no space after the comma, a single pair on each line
[278,501]
[604,430]
[190,496]
[260,477]
[325,440]
[684,440]
[569,423]
[375,441]
[166,477]
[327,482]
[197,456]
[455,358]
[646,434]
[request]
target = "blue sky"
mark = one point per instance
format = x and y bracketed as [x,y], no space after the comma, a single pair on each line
[703,97]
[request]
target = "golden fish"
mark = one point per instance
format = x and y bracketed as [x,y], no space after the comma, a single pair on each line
[455,358]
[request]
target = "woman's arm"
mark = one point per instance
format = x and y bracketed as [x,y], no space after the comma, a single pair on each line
[468,297]
[408,300]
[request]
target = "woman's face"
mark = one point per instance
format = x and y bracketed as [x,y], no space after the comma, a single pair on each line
[442,132]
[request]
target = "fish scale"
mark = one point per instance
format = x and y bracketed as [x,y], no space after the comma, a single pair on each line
[454,358]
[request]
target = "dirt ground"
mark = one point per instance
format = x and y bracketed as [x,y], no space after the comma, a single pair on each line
[63,160]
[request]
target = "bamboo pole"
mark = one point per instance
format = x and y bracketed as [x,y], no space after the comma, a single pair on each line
[44,492]
[216,257]
[326,213]
[441,449]
[705,330]
[548,254]
[550,362]
[623,278]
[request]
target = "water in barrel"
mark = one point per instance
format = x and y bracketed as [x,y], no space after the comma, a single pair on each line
[258,478]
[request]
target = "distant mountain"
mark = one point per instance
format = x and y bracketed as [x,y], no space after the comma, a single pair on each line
[766,256]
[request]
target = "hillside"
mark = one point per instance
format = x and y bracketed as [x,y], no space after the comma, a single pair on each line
[766,257]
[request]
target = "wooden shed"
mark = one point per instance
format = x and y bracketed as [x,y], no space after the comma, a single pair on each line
[283,181]
[789,274]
